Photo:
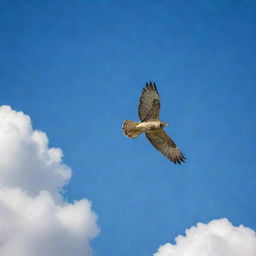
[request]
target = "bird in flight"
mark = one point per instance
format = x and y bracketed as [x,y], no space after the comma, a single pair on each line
[148,111]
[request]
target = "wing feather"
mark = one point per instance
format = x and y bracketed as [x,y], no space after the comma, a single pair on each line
[149,105]
[162,142]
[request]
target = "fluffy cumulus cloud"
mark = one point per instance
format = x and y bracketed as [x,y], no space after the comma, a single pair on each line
[34,217]
[217,238]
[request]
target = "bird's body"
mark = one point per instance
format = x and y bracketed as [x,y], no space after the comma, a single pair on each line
[151,125]
[148,126]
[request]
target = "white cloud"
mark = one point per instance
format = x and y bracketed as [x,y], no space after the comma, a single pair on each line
[25,159]
[34,218]
[217,238]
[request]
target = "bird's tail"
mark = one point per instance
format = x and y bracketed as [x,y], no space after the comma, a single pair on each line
[129,129]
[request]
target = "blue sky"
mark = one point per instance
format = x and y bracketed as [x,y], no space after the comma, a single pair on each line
[77,69]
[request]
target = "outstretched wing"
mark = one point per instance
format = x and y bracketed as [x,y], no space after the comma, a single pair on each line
[149,105]
[162,142]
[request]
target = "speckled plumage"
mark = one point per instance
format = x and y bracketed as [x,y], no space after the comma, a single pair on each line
[148,111]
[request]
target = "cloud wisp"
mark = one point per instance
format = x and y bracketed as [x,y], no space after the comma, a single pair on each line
[217,238]
[34,217]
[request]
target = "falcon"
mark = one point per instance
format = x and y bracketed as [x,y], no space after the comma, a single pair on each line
[148,111]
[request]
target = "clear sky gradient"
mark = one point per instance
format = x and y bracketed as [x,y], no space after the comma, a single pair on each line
[77,69]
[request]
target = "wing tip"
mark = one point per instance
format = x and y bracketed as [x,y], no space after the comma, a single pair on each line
[151,86]
[179,159]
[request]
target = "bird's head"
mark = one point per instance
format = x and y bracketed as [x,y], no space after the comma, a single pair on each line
[163,124]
